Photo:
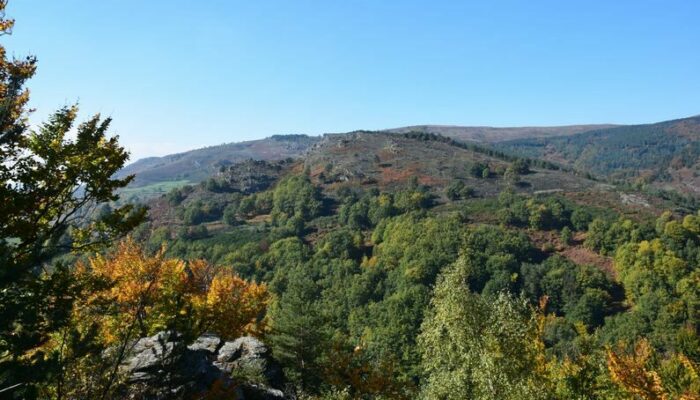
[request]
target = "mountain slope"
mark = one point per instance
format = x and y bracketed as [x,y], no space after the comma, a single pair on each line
[197,165]
[666,154]
[489,134]
[391,159]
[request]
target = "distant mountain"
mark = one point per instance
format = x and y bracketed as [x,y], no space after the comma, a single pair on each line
[488,134]
[664,154]
[197,165]
[386,160]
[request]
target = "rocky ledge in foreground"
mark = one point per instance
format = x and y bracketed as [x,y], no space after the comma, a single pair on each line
[164,367]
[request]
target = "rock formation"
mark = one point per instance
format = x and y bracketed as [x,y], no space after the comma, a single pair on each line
[162,366]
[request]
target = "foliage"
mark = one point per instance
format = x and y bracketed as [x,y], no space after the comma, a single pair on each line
[298,334]
[295,195]
[156,292]
[51,185]
[479,348]
[640,376]
[135,295]
[566,235]
[661,279]
[457,190]
[581,293]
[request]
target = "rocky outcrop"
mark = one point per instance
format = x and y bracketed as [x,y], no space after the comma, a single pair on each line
[252,176]
[162,366]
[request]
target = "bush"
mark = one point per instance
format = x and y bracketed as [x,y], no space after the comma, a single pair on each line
[566,235]
[457,190]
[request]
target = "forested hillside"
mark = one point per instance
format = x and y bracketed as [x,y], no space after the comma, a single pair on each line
[409,289]
[666,154]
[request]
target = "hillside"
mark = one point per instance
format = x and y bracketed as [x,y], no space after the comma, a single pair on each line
[197,165]
[358,240]
[487,134]
[666,154]
[389,160]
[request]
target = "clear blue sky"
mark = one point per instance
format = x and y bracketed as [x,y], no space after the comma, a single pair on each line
[177,75]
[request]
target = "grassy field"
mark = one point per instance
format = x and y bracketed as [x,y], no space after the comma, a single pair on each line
[142,193]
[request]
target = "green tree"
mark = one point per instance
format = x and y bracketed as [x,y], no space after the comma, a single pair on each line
[454,190]
[298,336]
[231,214]
[580,219]
[50,185]
[511,176]
[296,195]
[457,190]
[476,347]
[566,235]
[520,167]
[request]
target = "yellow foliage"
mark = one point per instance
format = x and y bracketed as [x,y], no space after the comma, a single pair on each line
[153,293]
[232,306]
[630,372]
[692,223]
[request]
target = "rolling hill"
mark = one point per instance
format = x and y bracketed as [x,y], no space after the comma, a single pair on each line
[196,165]
[389,160]
[664,154]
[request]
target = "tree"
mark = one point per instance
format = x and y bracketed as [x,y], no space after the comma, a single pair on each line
[477,170]
[296,195]
[511,176]
[580,219]
[231,215]
[630,372]
[50,187]
[566,235]
[520,167]
[454,189]
[137,295]
[298,335]
[478,348]
[457,190]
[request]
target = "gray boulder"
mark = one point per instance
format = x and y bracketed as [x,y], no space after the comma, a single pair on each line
[163,367]
[249,355]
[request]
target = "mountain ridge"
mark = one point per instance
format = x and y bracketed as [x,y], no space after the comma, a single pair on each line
[664,154]
[490,134]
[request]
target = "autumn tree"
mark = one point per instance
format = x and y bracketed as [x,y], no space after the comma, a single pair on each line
[140,295]
[50,186]
[155,293]
[643,373]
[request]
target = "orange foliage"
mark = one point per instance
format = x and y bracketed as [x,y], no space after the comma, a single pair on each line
[630,372]
[153,293]
[350,367]
[233,306]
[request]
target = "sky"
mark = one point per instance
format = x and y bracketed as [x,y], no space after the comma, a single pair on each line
[176,75]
